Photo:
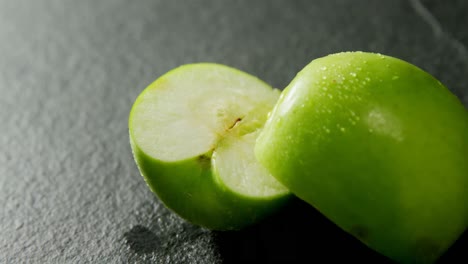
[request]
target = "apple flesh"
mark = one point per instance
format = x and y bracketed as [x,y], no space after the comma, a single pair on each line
[377,145]
[192,133]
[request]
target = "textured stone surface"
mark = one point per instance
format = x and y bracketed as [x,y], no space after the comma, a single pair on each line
[70,70]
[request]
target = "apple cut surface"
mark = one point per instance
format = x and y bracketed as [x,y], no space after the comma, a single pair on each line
[377,145]
[193,132]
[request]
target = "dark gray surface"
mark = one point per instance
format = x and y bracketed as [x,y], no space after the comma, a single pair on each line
[70,70]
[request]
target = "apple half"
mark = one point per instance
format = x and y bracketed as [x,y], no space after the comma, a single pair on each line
[192,133]
[377,145]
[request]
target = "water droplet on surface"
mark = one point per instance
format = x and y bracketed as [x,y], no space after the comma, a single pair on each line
[331,96]
[324,68]
[395,77]
[352,74]
[324,77]
[18,225]
[342,129]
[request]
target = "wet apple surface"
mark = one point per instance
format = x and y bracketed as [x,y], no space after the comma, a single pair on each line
[377,145]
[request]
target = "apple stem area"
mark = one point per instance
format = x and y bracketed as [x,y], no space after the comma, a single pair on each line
[205,159]
[235,123]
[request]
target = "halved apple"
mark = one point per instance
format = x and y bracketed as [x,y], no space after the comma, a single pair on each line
[379,146]
[193,132]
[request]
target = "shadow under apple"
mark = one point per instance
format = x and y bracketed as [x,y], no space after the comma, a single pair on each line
[301,234]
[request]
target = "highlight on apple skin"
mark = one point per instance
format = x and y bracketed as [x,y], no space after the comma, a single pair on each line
[192,134]
[378,146]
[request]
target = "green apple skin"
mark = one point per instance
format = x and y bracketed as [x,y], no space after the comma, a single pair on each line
[194,193]
[378,146]
[191,188]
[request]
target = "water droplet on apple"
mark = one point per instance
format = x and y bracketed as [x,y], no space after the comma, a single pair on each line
[281,96]
[280,120]
[395,77]
[352,74]
[324,68]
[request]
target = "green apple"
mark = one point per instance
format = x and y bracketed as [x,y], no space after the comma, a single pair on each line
[378,146]
[192,133]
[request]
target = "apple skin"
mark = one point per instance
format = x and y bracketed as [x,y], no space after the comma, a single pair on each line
[378,146]
[192,188]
